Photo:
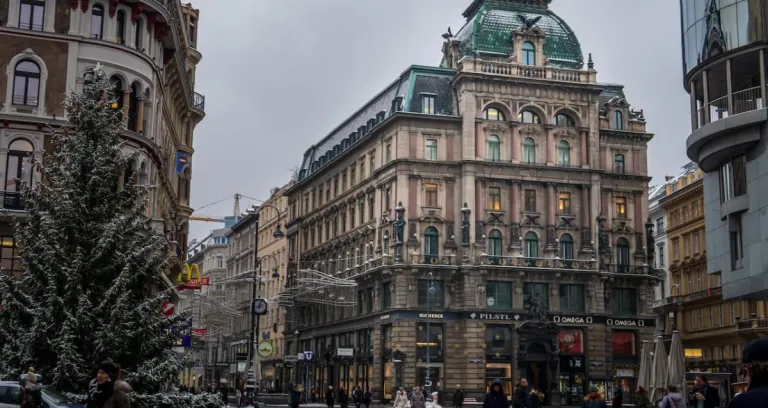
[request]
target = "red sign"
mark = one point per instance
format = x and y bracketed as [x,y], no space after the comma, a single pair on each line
[167,308]
[199,331]
[571,341]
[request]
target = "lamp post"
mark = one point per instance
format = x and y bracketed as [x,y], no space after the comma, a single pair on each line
[427,382]
[258,306]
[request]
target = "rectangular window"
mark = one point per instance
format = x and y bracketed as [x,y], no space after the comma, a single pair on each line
[428,104]
[436,298]
[336,186]
[618,163]
[430,149]
[687,246]
[494,198]
[498,295]
[696,243]
[387,198]
[388,153]
[430,195]
[352,180]
[9,257]
[362,169]
[736,243]
[344,181]
[539,291]
[625,303]
[660,225]
[675,250]
[31,14]
[372,162]
[369,301]
[572,298]
[530,201]
[733,178]
[564,203]
[661,255]
[328,192]
[621,207]
[386,295]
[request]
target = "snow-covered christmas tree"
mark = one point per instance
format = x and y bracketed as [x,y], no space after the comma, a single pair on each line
[91,264]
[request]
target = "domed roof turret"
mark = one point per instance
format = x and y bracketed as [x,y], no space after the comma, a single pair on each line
[490,24]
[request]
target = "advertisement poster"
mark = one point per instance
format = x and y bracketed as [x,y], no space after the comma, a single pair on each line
[623,344]
[571,341]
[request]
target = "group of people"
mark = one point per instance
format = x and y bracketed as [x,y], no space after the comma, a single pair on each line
[359,397]
[108,389]
[417,398]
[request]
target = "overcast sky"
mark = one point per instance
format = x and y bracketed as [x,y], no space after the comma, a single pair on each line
[280,75]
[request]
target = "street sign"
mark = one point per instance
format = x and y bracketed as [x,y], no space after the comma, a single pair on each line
[428,383]
[167,308]
[290,358]
[265,349]
[308,355]
[199,331]
[241,356]
[259,306]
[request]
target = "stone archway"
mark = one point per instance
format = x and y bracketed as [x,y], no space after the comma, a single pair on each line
[538,358]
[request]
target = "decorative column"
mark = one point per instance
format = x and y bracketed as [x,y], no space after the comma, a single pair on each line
[516,145]
[586,220]
[126,104]
[140,116]
[639,225]
[550,145]
[584,149]
[399,232]
[514,226]
[551,217]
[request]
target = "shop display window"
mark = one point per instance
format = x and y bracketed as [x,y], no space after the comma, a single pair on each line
[501,371]
[434,343]
[571,341]
[624,344]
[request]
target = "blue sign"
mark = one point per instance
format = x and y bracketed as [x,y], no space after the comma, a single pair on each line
[186,341]
[308,355]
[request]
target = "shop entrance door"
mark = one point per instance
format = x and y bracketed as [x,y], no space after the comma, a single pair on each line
[434,378]
[536,374]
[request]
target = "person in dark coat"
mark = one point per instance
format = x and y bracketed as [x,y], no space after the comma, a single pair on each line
[496,398]
[618,396]
[458,397]
[704,395]
[522,397]
[594,399]
[224,393]
[102,387]
[343,397]
[330,397]
[367,397]
[357,395]
[294,396]
[755,359]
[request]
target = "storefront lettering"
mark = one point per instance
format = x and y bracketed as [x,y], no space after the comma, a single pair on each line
[573,319]
[625,322]
[494,316]
[430,315]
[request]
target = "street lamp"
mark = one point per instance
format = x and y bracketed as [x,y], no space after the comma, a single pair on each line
[430,292]
[258,306]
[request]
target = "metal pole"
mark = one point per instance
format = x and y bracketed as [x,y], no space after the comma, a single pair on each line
[427,384]
[254,318]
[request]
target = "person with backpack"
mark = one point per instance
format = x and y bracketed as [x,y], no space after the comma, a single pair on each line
[673,399]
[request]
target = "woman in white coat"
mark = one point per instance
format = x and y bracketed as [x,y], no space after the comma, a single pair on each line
[401,399]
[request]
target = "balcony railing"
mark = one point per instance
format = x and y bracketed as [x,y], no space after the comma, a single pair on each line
[433,259]
[628,269]
[750,324]
[746,100]
[511,69]
[198,101]
[528,262]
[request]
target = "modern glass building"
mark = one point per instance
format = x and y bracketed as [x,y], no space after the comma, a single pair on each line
[724,64]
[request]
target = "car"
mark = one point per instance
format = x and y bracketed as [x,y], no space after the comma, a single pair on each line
[10,397]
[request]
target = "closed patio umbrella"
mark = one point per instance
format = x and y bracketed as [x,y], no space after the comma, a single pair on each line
[659,371]
[676,362]
[646,361]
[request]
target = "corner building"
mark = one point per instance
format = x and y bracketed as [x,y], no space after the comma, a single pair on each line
[510,182]
[724,65]
[148,50]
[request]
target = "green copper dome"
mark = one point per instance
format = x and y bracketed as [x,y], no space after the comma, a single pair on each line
[490,24]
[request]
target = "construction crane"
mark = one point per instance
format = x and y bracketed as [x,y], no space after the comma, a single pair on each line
[235,212]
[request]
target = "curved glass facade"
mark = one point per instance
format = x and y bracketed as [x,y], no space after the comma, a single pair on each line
[712,27]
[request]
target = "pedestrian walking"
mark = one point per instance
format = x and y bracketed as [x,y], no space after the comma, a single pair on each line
[618,396]
[704,395]
[417,399]
[458,397]
[343,397]
[330,397]
[102,387]
[224,393]
[755,360]
[294,396]
[495,398]
[642,399]
[673,399]
[367,397]
[594,399]
[401,399]
[31,394]
[357,395]
[119,398]
[522,398]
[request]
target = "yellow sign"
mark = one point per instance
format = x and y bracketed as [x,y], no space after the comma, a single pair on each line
[265,349]
[190,277]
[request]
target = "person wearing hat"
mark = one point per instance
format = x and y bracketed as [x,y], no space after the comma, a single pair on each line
[31,396]
[593,399]
[755,359]
[458,397]
[102,387]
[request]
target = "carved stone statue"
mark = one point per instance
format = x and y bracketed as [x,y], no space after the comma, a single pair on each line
[536,308]
[602,235]
[399,229]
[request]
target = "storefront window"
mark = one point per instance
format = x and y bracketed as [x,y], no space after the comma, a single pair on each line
[572,365]
[498,339]
[501,371]
[571,341]
[432,344]
[539,291]
[623,344]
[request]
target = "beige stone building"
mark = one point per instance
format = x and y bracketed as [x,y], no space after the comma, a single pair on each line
[148,49]
[492,213]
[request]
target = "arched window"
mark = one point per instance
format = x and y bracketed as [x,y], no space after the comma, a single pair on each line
[97,22]
[143,173]
[566,246]
[529,54]
[18,168]
[618,120]
[494,244]
[130,169]
[531,245]
[527,116]
[564,153]
[31,13]
[622,254]
[494,148]
[117,89]
[26,83]
[120,27]
[562,119]
[431,245]
[529,151]
[493,114]
[133,108]
[137,38]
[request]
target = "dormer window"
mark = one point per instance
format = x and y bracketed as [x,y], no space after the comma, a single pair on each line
[618,120]
[428,104]
[527,116]
[528,54]
[493,114]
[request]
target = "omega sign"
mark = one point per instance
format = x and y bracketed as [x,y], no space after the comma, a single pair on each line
[625,322]
[573,319]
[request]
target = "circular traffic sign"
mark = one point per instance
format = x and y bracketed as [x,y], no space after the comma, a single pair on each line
[265,349]
[167,308]
[259,306]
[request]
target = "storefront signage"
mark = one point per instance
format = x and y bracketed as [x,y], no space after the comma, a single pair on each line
[493,316]
[431,316]
[345,352]
[616,322]
[308,355]
[573,319]
[290,358]
[241,356]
